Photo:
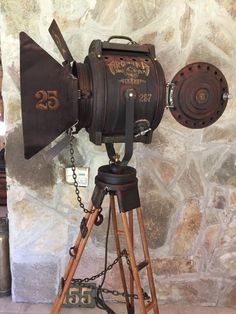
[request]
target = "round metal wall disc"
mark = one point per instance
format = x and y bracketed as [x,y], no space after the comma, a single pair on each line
[198,95]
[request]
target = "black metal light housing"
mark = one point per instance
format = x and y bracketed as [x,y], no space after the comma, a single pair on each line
[93,94]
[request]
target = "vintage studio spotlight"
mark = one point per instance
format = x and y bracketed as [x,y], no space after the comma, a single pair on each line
[118,94]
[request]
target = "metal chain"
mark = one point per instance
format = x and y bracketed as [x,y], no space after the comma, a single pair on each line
[123,253]
[113,292]
[74,175]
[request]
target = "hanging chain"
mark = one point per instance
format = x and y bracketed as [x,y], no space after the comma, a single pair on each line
[74,175]
[113,292]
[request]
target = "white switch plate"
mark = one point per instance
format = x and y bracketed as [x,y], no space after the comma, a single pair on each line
[82,175]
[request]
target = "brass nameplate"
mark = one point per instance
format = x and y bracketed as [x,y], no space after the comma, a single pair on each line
[81,295]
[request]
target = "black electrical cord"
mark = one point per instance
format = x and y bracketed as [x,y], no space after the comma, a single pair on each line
[100,302]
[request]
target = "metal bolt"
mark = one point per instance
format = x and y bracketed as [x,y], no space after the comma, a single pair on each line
[170,84]
[106,189]
[227,96]
[116,158]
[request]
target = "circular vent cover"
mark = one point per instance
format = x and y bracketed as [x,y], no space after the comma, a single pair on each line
[198,95]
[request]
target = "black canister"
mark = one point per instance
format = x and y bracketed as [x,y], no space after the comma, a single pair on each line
[5,274]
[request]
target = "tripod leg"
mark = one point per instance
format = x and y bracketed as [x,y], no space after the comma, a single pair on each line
[147,257]
[73,265]
[131,228]
[133,263]
[118,250]
[77,243]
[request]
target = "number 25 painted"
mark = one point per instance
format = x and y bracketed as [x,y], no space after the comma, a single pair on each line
[47,100]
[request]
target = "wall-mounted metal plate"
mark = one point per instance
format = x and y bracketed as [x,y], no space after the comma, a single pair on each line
[199,95]
[81,295]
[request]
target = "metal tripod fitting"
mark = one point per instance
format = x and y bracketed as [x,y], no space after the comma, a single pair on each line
[130,96]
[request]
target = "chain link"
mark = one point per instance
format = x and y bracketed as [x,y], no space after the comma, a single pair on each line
[74,175]
[124,253]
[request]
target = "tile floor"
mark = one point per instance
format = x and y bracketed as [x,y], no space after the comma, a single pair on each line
[8,307]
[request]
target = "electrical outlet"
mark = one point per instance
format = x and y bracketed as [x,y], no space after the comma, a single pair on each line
[82,174]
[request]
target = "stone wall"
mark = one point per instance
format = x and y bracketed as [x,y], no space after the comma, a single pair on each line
[187,177]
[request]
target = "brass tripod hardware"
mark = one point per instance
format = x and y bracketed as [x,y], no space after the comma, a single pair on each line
[141,265]
[83,227]
[116,158]
[146,296]
[99,218]
[73,251]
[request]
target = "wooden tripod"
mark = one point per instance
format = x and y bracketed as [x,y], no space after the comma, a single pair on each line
[124,186]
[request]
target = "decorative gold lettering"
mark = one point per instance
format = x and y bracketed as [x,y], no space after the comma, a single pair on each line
[86,297]
[41,95]
[130,68]
[132,81]
[53,102]
[47,100]
[73,295]
[145,97]
[80,296]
